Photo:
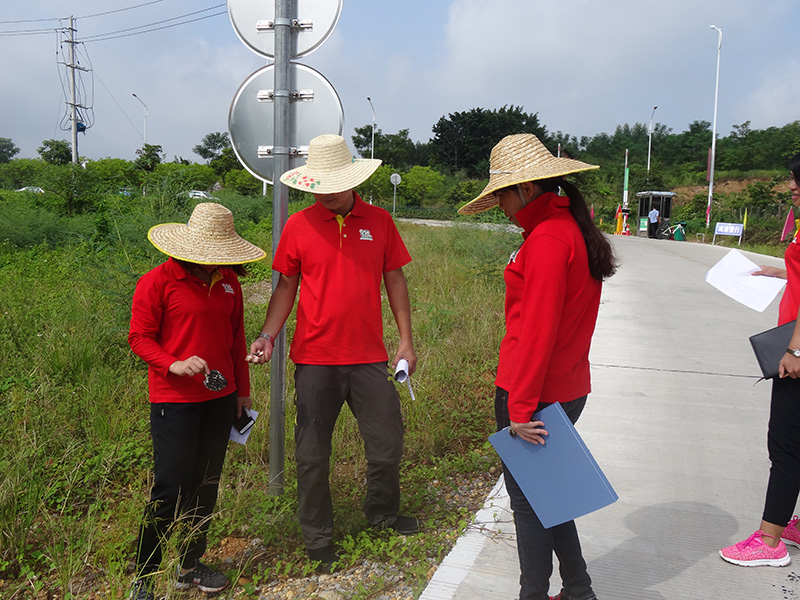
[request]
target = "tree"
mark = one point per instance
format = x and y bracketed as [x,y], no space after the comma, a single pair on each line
[213,145]
[225,163]
[7,150]
[463,140]
[149,157]
[395,149]
[56,152]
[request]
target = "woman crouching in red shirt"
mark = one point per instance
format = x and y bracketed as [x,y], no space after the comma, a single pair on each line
[553,285]
[187,324]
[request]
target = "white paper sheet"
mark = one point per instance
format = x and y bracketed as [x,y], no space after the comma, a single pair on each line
[401,375]
[733,276]
[241,438]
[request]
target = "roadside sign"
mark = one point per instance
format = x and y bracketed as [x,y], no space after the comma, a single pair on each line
[315,108]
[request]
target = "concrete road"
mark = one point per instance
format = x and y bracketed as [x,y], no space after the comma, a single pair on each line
[678,423]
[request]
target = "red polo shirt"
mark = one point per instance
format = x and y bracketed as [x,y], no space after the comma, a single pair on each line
[175,316]
[341,264]
[551,311]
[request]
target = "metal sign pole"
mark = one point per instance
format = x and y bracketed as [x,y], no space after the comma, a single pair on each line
[280,204]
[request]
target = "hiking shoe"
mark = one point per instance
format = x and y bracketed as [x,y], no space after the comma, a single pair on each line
[141,591]
[790,535]
[753,552]
[205,578]
[325,558]
[402,524]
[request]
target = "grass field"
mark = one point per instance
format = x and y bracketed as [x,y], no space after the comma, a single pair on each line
[75,451]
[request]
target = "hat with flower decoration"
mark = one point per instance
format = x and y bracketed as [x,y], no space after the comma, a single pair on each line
[330,168]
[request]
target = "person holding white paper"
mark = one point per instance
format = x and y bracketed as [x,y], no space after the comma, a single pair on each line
[553,285]
[767,546]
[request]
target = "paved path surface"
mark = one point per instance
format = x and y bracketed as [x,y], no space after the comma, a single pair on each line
[678,423]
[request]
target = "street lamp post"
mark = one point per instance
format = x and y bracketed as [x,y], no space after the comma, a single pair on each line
[372,143]
[650,140]
[145,116]
[713,132]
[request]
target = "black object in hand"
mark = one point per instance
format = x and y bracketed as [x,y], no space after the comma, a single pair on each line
[215,381]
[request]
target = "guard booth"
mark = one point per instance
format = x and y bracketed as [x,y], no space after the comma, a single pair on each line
[662,201]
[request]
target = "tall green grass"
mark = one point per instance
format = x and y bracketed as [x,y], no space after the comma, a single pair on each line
[75,451]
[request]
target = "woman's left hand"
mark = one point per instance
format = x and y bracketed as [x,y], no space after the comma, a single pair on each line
[789,367]
[243,402]
[532,431]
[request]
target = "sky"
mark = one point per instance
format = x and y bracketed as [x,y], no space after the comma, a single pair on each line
[584,66]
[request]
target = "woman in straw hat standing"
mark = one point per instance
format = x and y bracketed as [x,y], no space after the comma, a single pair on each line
[187,324]
[553,285]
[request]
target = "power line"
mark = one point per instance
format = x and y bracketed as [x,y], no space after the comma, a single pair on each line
[111,12]
[111,35]
[83,17]
[150,27]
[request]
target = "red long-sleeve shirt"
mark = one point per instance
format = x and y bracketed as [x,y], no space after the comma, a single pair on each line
[174,316]
[551,310]
[791,296]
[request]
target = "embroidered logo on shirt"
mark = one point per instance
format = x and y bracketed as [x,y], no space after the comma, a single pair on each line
[228,288]
[365,234]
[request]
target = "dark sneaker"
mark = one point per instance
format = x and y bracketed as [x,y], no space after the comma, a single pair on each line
[141,591]
[326,558]
[402,524]
[205,578]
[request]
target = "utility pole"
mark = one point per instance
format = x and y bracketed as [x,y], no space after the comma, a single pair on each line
[73,103]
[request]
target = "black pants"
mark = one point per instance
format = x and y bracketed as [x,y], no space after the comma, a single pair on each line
[783,443]
[189,445]
[370,393]
[535,543]
[652,228]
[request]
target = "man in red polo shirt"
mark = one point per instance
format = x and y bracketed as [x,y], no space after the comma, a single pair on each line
[341,248]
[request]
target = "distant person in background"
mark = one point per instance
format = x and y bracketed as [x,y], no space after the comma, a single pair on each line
[654,219]
[553,285]
[187,324]
[767,546]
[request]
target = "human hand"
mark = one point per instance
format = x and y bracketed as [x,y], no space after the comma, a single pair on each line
[532,431]
[768,271]
[243,402]
[260,351]
[406,351]
[189,367]
[789,367]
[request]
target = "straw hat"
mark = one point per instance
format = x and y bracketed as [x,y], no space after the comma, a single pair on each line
[519,158]
[207,239]
[330,167]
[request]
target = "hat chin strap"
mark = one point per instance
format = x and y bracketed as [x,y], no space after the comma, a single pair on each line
[522,197]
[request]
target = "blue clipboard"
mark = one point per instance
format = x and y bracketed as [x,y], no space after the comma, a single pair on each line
[561,479]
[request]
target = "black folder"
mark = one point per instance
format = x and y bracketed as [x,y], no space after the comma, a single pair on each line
[770,346]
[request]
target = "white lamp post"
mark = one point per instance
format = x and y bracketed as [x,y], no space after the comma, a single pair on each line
[650,139]
[145,116]
[372,144]
[713,133]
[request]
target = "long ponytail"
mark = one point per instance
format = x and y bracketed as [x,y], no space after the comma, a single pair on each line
[602,262]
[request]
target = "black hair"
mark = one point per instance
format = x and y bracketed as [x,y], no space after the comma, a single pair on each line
[602,262]
[794,167]
[240,269]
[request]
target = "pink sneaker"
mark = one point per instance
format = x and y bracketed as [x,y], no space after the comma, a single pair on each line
[753,552]
[790,535]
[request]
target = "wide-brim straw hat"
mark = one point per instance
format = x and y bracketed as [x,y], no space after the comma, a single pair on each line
[207,239]
[516,159]
[330,168]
